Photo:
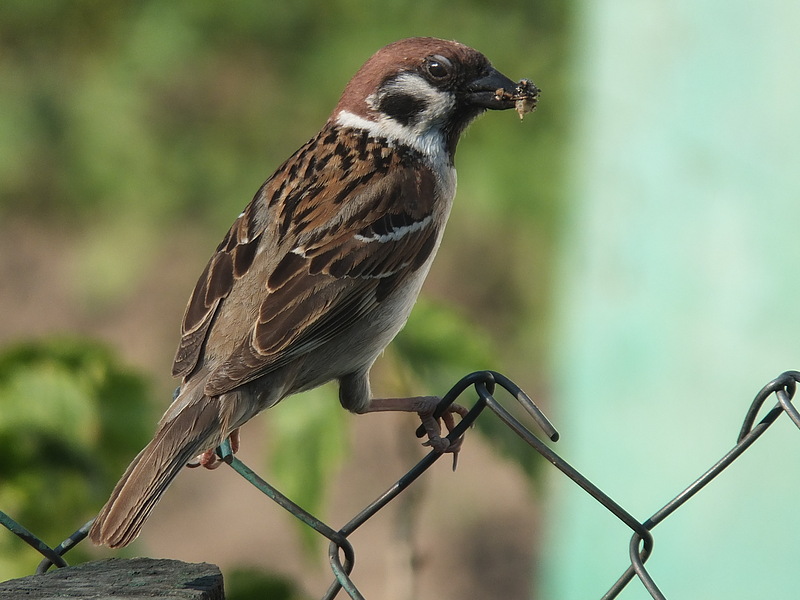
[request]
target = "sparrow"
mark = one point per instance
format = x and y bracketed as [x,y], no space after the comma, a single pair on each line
[322,268]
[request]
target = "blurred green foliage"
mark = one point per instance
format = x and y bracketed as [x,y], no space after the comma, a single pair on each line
[178,111]
[251,584]
[72,418]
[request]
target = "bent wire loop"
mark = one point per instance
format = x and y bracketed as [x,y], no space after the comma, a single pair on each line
[341,553]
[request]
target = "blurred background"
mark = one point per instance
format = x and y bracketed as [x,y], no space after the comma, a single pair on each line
[624,254]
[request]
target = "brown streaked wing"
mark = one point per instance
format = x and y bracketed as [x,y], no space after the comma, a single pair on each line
[338,279]
[235,254]
[232,259]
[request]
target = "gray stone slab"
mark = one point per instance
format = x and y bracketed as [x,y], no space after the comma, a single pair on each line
[121,579]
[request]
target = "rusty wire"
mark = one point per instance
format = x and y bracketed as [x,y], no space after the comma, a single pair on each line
[342,554]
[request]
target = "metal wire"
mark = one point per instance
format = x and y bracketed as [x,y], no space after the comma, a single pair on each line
[32,540]
[341,553]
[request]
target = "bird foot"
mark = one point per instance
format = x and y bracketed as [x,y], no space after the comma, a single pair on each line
[433,426]
[210,459]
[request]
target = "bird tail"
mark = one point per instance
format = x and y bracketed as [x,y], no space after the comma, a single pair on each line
[194,429]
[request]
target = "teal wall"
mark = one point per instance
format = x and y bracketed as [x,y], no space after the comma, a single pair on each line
[679,296]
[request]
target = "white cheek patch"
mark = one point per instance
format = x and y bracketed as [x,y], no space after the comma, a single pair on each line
[438,103]
[430,144]
[424,132]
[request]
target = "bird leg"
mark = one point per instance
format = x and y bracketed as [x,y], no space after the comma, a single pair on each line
[425,406]
[209,459]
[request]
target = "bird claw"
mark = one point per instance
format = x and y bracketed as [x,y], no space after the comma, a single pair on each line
[208,460]
[433,429]
[211,460]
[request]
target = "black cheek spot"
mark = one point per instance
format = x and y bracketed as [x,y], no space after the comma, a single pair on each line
[402,107]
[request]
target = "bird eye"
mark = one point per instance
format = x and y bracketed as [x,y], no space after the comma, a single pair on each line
[438,67]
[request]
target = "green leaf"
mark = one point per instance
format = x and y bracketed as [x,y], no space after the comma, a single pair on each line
[72,417]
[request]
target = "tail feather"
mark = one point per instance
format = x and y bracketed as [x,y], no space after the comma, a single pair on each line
[190,432]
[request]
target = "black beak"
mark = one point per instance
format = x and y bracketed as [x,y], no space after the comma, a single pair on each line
[482,92]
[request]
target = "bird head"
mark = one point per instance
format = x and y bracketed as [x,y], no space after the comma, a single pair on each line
[423,93]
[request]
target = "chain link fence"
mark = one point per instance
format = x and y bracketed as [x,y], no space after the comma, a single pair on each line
[341,552]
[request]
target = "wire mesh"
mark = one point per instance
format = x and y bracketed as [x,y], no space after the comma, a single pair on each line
[341,553]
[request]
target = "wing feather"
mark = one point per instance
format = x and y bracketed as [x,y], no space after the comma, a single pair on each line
[339,248]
